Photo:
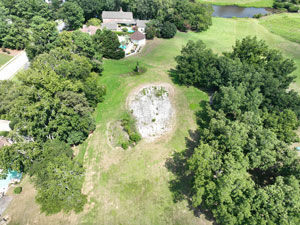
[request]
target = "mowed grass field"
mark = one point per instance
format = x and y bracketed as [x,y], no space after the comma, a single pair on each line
[286,25]
[132,186]
[4,59]
[242,3]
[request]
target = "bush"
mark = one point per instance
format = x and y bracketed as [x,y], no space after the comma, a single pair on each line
[12,124]
[93,22]
[124,29]
[150,33]
[4,133]
[18,190]
[135,137]
[257,16]
[168,30]
[125,145]
[293,8]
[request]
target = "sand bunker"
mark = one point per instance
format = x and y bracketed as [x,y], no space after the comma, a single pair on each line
[152,109]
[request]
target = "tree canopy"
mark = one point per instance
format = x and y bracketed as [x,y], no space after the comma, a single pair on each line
[243,169]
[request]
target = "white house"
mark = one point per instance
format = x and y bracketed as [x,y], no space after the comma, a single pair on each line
[138,38]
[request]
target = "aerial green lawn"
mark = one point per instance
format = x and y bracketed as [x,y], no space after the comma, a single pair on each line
[4,59]
[132,186]
[286,25]
[242,3]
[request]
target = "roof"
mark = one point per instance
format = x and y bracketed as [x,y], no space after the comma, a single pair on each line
[89,29]
[142,23]
[110,26]
[137,36]
[117,15]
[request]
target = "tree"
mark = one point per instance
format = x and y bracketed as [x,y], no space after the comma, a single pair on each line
[93,22]
[168,30]
[58,179]
[27,9]
[243,169]
[107,44]
[83,44]
[150,32]
[17,36]
[72,14]
[195,63]
[91,8]
[43,38]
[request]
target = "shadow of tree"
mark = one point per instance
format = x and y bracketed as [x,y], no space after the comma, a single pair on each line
[173,73]
[182,185]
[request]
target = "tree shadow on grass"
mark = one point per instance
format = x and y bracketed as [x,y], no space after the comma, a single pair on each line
[174,74]
[181,185]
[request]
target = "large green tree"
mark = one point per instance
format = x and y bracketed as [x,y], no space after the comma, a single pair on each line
[43,38]
[243,170]
[72,14]
[107,44]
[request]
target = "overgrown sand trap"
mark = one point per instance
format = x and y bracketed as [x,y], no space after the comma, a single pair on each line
[152,109]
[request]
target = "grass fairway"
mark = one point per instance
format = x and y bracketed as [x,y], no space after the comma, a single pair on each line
[4,59]
[131,187]
[286,25]
[242,3]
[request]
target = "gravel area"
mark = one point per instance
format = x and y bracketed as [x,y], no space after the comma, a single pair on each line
[153,111]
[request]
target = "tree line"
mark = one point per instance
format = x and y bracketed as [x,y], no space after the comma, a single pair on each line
[21,19]
[242,169]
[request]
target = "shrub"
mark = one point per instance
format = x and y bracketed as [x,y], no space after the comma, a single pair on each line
[4,133]
[135,137]
[257,16]
[125,145]
[293,8]
[150,33]
[18,190]
[12,124]
[124,29]
[168,30]
[93,22]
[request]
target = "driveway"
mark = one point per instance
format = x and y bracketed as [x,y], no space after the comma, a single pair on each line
[13,66]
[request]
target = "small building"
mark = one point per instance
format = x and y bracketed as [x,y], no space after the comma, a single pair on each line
[138,38]
[91,30]
[141,24]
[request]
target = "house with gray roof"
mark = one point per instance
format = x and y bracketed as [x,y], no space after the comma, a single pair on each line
[119,17]
[112,19]
[110,26]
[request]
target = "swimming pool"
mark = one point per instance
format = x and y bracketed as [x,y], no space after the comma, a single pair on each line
[10,176]
[130,30]
[123,47]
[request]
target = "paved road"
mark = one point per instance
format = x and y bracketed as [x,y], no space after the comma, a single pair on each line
[14,66]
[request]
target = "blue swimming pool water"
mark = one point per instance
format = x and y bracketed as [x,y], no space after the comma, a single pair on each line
[123,47]
[10,176]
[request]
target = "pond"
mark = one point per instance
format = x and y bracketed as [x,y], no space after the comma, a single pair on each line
[230,11]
